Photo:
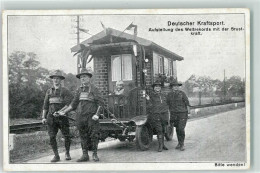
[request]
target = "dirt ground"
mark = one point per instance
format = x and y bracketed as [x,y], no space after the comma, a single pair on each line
[217,138]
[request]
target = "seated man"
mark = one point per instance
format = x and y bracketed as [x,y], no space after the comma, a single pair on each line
[119,98]
[119,88]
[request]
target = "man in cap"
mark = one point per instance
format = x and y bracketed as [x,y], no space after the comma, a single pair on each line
[158,113]
[87,100]
[179,108]
[56,98]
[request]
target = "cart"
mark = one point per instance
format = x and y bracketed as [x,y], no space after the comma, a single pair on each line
[137,62]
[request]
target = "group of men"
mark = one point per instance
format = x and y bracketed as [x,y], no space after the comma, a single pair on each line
[160,105]
[87,100]
[59,101]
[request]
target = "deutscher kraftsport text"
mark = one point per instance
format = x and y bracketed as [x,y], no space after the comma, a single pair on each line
[195,28]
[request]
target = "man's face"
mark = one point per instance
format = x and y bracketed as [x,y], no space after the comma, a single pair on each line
[175,88]
[85,79]
[56,80]
[157,88]
[120,86]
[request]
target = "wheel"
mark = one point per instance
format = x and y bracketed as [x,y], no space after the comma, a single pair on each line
[122,139]
[169,132]
[143,137]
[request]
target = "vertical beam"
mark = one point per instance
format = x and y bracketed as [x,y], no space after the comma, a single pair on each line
[78,58]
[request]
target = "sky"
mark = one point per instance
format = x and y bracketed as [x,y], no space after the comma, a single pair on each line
[51,38]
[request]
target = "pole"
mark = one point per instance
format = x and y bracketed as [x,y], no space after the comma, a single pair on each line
[225,85]
[78,58]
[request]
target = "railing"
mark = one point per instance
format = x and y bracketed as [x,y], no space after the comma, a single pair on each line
[23,128]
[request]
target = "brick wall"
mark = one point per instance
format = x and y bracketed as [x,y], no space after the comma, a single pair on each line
[101,74]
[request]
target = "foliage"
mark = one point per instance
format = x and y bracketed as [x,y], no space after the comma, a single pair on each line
[204,85]
[28,83]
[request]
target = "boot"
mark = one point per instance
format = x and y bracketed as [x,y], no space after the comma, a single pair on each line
[56,158]
[164,147]
[160,140]
[178,146]
[95,147]
[67,155]
[84,157]
[182,148]
[67,147]
[95,156]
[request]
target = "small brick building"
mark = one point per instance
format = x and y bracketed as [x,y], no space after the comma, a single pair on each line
[134,60]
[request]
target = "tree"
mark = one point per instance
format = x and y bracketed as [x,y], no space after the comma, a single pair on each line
[26,81]
[235,86]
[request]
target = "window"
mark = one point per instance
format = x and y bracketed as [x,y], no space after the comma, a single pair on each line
[170,69]
[174,69]
[157,64]
[166,67]
[121,66]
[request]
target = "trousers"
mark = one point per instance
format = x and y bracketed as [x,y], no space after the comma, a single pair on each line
[158,122]
[89,131]
[54,124]
[179,120]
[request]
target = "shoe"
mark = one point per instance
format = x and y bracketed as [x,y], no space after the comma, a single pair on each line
[164,147]
[160,148]
[84,158]
[67,156]
[95,157]
[182,148]
[56,158]
[178,146]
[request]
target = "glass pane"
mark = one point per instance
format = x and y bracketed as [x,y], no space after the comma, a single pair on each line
[127,67]
[174,69]
[161,65]
[170,68]
[116,68]
[155,64]
[166,67]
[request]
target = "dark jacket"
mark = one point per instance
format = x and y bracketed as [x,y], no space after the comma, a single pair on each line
[177,101]
[86,101]
[62,93]
[157,103]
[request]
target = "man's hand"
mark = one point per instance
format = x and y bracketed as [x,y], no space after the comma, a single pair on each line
[95,117]
[61,113]
[188,108]
[147,97]
[44,121]
[56,114]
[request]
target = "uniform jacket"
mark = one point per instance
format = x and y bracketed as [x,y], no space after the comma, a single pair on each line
[62,94]
[86,100]
[177,101]
[157,103]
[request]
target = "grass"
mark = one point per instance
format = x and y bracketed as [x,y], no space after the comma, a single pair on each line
[207,100]
[214,110]
[32,145]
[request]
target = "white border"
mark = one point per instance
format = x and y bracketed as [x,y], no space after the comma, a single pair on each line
[119,166]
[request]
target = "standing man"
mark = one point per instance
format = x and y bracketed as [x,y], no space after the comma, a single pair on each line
[179,108]
[87,100]
[158,113]
[56,98]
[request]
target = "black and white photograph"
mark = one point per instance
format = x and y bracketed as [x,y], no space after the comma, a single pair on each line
[154,89]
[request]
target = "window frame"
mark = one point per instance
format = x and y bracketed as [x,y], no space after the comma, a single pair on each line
[122,68]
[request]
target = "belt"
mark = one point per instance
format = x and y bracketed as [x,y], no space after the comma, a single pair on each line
[55,100]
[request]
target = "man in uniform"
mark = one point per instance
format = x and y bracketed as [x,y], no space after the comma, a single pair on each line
[87,100]
[158,112]
[56,98]
[179,108]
